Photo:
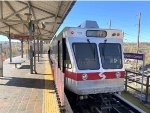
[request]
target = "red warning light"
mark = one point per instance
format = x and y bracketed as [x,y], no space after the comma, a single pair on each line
[118,34]
[72,32]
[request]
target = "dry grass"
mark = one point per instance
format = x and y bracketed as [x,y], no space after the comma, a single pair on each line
[136,102]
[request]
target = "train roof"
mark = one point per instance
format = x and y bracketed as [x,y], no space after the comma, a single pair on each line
[82,32]
[87,26]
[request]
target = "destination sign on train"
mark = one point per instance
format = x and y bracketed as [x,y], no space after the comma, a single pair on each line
[96,33]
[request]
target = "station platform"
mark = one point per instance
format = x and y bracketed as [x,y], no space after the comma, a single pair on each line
[22,92]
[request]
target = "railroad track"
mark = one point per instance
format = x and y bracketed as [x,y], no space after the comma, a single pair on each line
[101,103]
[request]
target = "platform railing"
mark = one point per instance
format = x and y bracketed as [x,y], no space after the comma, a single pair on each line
[136,77]
[59,82]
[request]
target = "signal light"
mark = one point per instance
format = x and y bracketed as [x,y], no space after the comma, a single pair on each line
[72,32]
[118,34]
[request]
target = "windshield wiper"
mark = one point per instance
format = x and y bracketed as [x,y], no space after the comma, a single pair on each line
[103,49]
[91,47]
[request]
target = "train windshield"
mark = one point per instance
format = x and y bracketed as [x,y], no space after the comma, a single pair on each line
[111,55]
[86,56]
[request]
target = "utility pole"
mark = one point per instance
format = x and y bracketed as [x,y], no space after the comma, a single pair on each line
[138,43]
[109,24]
[138,37]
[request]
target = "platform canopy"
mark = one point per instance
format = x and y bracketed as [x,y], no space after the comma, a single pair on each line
[47,17]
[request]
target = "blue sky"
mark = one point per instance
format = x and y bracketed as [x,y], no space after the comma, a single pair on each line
[122,14]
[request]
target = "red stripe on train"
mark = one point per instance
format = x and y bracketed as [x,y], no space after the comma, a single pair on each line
[92,76]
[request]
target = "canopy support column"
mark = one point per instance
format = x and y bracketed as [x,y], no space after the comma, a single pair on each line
[10,47]
[31,48]
[1,6]
[34,62]
[41,48]
[22,48]
[28,52]
[38,48]
[1,61]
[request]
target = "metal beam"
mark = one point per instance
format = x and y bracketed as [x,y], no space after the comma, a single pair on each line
[12,28]
[3,33]
[71,3]
[41,48]
[1,60]
[34,62]
[9,5]
[31,58]
[38,49]
[31,48]
[46,11]
[40,9]
[20,21]
[58,9]
[34,16]
[10,25]
[30,4]
[28,49]
[47,31]
[45,35]
[1,5]
[10,47]
[22,48]
[45,18]
[16,12]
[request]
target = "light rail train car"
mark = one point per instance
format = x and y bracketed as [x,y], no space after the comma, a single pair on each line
[91,58]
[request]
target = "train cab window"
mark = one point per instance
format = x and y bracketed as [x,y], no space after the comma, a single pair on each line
[111,55]
[86,56]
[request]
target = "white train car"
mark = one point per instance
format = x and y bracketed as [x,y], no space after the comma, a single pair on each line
[90,58]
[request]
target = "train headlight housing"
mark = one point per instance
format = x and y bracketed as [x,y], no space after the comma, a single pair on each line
[118,75]
[84,76]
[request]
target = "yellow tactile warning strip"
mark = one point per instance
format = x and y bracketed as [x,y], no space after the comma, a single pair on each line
[50,101]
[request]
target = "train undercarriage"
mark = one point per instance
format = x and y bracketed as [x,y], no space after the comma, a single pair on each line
[100,103]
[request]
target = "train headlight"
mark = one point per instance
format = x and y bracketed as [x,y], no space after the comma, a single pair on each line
[118,74]
[84,76]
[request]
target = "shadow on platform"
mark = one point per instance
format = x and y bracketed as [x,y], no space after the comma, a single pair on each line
[43,74]
[40,63]
[25,67]
[44,60]
[29,83]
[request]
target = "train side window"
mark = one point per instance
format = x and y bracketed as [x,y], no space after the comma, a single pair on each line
[67,61]
[60,55]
